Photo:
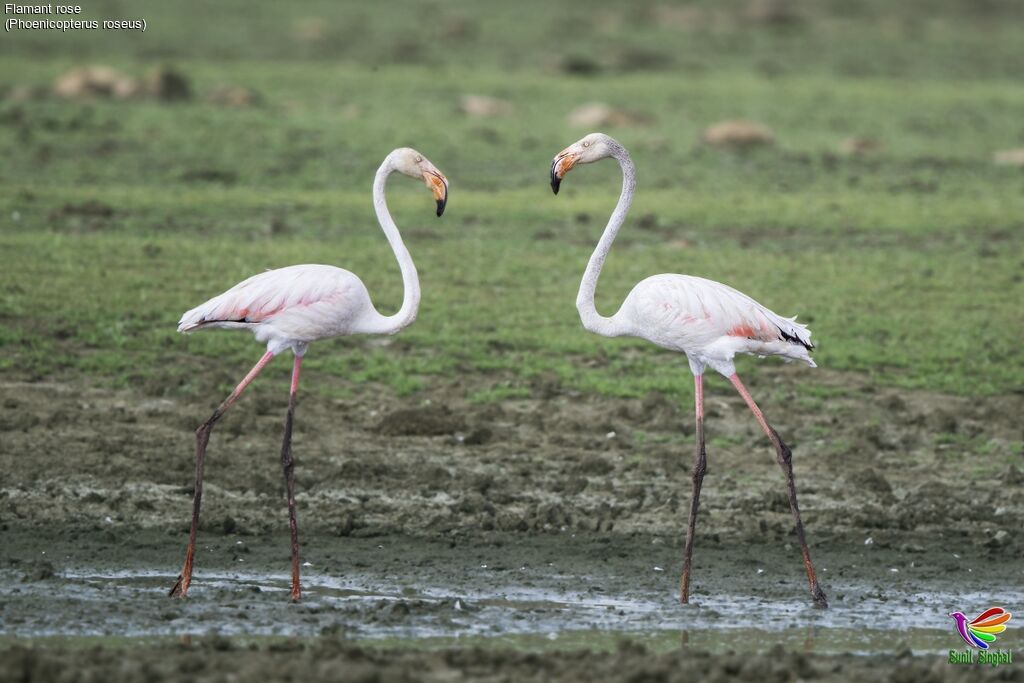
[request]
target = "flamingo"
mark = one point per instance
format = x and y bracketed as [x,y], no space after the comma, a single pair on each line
[291,307]
[706,320]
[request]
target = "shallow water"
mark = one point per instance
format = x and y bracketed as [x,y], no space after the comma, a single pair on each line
[538,613]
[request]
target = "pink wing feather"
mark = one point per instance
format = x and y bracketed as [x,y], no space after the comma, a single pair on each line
[261,297]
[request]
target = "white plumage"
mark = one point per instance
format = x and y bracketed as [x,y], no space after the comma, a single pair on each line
[708,321]
[290,307]
[711,322]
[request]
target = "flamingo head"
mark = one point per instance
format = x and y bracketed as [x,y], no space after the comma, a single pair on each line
[408,161]
[589,149]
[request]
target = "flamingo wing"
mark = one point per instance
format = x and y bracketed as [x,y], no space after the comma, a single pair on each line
[738,315]
[262,297]
[694,314]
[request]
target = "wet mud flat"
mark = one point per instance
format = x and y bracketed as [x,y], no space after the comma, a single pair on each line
[538,539]
[497,607]
[115,584]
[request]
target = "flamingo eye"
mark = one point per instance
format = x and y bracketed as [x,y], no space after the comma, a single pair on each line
[419,159]
[586,143]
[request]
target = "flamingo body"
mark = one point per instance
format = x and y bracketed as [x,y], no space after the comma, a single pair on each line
[709,322]
[288,308]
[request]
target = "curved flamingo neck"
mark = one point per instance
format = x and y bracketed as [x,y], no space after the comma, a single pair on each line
[410,279]
[592,320]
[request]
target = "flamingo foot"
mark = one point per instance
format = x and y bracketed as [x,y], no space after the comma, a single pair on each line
[818,596]
[180,587]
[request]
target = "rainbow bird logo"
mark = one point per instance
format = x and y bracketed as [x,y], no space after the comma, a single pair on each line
[981,630]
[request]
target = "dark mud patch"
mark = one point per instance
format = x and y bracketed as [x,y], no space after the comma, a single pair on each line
[89,215]
[336,659]
[432,420]
[89,209]
[210,175]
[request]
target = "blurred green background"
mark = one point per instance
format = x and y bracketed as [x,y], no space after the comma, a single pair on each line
[880,195]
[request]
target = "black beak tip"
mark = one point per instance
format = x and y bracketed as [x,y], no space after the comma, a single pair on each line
[441,203]
[556,182]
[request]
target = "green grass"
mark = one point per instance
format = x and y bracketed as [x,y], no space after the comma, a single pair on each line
[906,262]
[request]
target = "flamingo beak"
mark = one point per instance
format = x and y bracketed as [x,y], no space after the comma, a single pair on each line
[561,165]
[438,184]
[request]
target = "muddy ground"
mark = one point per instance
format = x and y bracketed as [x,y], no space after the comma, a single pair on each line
[332,660]
[901,467]
[544,518]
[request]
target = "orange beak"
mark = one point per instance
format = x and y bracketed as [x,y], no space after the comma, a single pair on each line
[438,184]
[562,164]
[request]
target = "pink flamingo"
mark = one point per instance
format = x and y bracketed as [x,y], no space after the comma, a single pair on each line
[706,320]
[290,307]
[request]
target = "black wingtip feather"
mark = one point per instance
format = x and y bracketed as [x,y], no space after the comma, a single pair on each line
[793,339]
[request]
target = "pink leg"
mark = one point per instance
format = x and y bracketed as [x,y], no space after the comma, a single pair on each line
[180,588]
[785,458]
[700,466]
[289,465]
[295,375]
